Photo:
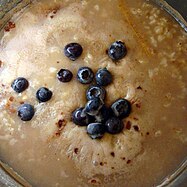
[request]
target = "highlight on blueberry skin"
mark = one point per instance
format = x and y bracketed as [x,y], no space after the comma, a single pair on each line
[96,130]
[64,75]
[20,84]
[26,112]
[114,125]
[121,108]
[93,106]
[117,50]
[73,51]
[79,117]
[95,91]
[85,75]
[103,77]
[44,94]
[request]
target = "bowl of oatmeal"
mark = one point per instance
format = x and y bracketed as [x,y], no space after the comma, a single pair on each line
[51,56]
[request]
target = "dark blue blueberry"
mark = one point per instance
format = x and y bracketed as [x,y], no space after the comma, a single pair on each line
[64,75]
[96,130]
[93,106]
[103,77]
[79,117]
[85,75]
[117,50]
[121,108]
[73,51]
[20,84]
[44,94]
[104,114]
[26,112]
[114,125]
[95,91]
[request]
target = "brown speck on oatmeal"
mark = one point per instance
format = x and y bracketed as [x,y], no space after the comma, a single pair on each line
[1,63]
[128,125]
[101,163]
[76,150]
[123,158]
[147,133]
[11,98]
[128,161]
[138,105]
[136,128]
[60,125]
[139,88]
[94,181]
[9,26]
[112,167]
[135,118]
[112,154]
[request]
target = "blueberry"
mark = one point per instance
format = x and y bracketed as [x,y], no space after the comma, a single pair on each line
[117,50]
[44,94]
[95,91]
[79,117]
[85,75]
[73,51]
[96,130]
[93,106]
[114,125]
[104,114]
[121,108]
[20,84]
[26,112]
[103,77]
[64,75]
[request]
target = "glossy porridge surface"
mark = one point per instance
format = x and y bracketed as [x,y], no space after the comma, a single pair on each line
[153,76]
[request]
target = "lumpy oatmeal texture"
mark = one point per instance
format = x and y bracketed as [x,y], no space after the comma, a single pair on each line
[50,150]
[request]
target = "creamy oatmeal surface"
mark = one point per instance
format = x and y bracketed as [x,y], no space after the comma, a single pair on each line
[50,150]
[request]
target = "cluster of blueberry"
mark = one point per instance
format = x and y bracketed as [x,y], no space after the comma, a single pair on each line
[98,117]
[26,111]
[95,115]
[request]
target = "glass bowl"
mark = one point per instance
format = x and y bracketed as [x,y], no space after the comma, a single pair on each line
[8,177]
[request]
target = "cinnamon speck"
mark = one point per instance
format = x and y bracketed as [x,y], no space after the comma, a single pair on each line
[93,181]
[147,133]
[123,158]
[101,164]
[139,88]
[76,150]
[136,128]
[60,124]
[112,167]
[9,26]
[128,125]
[11,98]
[138,105]
[112,154]
[1,63]
[128,161]
[57,134]
[135,118]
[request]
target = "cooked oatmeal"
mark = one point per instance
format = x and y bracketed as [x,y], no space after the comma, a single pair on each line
[152,76]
